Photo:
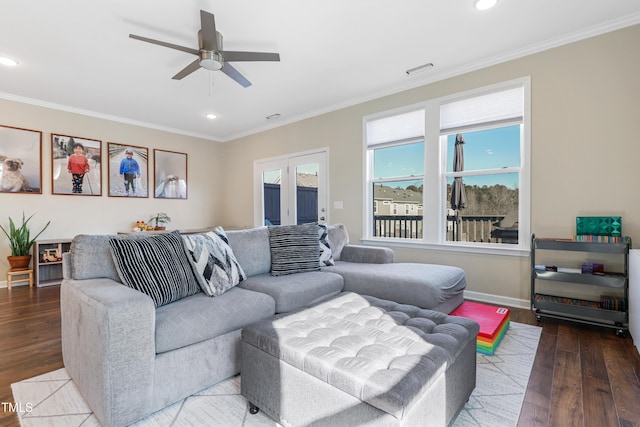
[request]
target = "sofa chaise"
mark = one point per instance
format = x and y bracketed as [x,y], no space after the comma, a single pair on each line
[130,357]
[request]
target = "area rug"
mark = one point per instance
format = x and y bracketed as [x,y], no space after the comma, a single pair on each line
[53,400]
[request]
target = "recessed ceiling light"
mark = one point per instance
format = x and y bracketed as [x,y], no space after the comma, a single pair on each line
[485,4]
[210,116]
[8,61]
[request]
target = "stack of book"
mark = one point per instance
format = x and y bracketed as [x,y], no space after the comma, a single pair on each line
[493,321]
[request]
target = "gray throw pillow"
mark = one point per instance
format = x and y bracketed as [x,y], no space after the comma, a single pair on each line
[294,249]
[213,261]
[156,265]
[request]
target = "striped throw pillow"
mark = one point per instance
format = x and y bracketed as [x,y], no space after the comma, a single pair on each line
[294,249]
[156,265]
[213,260]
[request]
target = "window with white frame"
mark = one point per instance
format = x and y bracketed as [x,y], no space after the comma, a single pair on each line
[478,201]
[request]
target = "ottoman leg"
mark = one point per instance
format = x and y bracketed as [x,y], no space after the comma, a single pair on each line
[253,409]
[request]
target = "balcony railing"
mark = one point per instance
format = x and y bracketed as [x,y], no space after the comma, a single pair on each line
[468,228]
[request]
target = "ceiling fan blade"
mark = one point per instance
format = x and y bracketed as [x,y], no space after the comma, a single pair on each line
[235,75]
[187,70]
[233,56]
[209,38]
[165,44]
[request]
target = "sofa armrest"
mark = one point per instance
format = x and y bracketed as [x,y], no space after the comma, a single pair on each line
[366,254]
[108,347]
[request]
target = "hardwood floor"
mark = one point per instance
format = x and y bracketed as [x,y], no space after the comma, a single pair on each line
[582,376]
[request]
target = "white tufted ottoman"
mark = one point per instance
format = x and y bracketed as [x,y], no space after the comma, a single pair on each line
[357,360]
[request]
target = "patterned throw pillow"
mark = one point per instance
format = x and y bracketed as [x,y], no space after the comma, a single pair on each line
[156,265]
[326,257]
[294,249]
[213,260]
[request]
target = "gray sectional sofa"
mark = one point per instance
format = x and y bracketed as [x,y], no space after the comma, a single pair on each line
[130,358]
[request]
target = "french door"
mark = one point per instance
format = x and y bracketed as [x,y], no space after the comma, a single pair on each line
[291,189]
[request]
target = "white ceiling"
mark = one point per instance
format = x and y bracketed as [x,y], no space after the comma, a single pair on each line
[76,55]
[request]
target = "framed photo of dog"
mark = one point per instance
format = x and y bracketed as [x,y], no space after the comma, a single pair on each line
[128,170]
[170,174]
[76,166]
[20,160]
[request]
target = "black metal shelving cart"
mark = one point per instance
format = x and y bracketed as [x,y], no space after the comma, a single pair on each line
[577,310]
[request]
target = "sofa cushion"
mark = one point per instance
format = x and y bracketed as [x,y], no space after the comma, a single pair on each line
[198,318]
[251,248]
[156,265]
[294,249]
[295,290]
[217,269]
[326,258]
[431,286]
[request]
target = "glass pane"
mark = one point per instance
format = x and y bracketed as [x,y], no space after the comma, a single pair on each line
[398,208]
[307,193]
[401,160]
[491,210]
[487,149]
[271,188]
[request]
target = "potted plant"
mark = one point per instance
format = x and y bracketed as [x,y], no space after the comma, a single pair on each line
[20,241]
[159,219]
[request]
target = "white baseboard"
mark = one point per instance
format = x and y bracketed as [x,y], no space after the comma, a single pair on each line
[3,284]
[498,300]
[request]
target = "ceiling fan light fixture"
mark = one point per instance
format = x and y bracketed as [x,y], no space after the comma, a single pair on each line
[210,61]
[485,4]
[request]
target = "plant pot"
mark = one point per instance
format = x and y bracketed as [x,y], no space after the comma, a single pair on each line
[19,262]
[160,227]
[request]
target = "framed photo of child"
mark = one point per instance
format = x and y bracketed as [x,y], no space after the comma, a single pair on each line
[128,170]
[20,160]
[76,165]
[170,174]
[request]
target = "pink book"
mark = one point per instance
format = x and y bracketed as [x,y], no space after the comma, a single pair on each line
[489,317]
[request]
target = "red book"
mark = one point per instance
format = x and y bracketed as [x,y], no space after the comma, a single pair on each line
[490,318]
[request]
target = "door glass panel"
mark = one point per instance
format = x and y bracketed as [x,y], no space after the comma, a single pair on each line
[306,193]
[271,195]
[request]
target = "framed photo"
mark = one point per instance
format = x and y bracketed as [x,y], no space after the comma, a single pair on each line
[170,174]
[76,166]
[128,170]
[20,160]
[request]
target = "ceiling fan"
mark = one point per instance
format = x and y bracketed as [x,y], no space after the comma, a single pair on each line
[211,54]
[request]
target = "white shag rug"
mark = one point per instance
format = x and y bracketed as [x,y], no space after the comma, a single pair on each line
[53,400]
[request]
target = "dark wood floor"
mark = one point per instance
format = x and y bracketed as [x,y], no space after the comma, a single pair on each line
[582,376]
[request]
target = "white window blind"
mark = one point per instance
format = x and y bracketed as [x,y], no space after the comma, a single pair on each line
[396,128]
[496,107]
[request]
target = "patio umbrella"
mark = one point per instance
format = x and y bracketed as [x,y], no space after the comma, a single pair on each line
[458,195]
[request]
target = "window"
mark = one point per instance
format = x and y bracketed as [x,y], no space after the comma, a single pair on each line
[396,164]
[480,202]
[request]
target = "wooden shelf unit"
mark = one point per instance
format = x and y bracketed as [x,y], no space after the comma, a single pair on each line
[48,273]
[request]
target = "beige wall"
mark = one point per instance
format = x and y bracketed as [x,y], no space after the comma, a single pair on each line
[71,215]
[585,152]
[584,159]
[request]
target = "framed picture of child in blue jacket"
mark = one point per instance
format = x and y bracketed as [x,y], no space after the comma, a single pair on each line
[128,170]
